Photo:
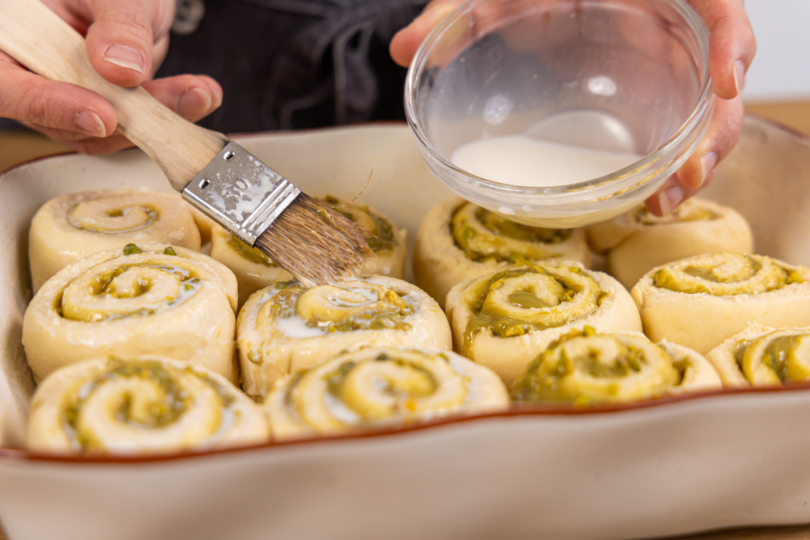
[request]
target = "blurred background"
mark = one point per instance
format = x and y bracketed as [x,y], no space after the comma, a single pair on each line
[777,85]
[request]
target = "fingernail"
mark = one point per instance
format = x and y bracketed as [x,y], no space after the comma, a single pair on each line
[739,75]
[670,199]
[126,57]
[194,102]
[90,123]
[708,162]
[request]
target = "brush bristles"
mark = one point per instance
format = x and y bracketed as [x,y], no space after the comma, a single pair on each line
[314,243]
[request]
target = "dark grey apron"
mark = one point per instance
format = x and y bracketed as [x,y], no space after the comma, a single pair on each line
[287,64]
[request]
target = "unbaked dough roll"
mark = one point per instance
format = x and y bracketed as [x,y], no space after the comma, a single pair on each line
[146,299]
[381,386]
[72,227]
[702,301]
[458,241]
[503,320]
[762,356]
[638,241]
[584,367]
[255,271]
[141,405]
[288,327]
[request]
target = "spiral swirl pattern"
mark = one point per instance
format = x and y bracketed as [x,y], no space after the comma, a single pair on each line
[142,405]
[505,319]
[483,235]
[638,241]
[74,226]
[725,274]
[584,367]
[517,301]
[374,386]
[762,356]
[458,241]
[152,299]
[686,213]
[702,301]
[289,326]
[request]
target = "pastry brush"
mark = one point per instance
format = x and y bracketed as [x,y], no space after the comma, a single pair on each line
[234,188]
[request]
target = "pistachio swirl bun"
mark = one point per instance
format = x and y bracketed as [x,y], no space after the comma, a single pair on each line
[288,327]
[584,367]
[141,405]
[146,299]
[72,227]
[458,241]
[701,301]
[503,320]
[380,386]
[763,356]
[637,241]
[254,270]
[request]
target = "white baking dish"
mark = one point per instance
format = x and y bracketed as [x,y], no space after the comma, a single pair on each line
[659,468]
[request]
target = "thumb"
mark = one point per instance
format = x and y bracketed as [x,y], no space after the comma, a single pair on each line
[122,36]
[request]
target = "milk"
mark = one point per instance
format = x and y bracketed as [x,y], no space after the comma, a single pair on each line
[523,161]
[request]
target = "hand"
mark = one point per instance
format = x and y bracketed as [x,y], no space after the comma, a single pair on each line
[126,42]
[731,51]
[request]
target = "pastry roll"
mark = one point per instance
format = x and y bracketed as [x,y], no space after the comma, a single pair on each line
[140,405]
[146,299]
[380,386]
[254,270]
[288,327]
[761,356]
[72,227]
[638,241]
[584,367]
[503,320]
[458,241]
[702,301]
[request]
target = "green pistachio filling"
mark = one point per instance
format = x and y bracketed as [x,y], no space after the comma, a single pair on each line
[483,235]
[519,300]
[775,358]
[117,296]
[252,254]
[323,308]
[583,367]
[382,231]
[734,275]
[682,214]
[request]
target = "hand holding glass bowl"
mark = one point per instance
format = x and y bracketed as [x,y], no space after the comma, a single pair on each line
[628,77]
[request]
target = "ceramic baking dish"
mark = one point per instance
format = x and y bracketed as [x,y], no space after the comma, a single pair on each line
[665,467]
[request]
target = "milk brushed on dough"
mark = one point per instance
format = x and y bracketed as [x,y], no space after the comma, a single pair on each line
[274,342]
[70,228]
[256,271]
[180,306]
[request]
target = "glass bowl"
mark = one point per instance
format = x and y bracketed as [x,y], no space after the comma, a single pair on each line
[618,76]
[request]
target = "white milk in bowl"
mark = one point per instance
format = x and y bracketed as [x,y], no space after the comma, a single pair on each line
[520,160]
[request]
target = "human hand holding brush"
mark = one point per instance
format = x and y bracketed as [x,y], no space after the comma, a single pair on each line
[255,203]
[126,42]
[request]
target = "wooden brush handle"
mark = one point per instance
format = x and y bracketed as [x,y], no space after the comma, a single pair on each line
[38,39]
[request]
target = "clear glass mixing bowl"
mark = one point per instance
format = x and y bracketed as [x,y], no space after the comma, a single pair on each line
[616,75]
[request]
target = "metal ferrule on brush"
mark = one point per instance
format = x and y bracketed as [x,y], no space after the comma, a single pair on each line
[241,193]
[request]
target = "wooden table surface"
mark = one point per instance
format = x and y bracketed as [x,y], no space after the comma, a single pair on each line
[17,147]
